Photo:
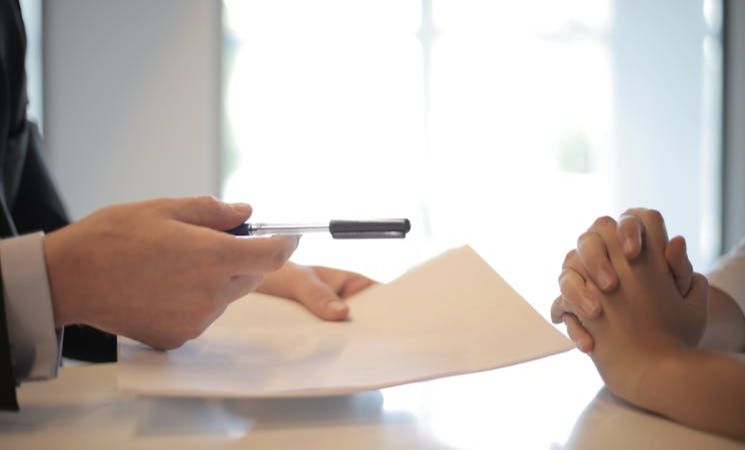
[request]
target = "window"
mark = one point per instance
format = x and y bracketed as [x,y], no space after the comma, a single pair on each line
[506,125]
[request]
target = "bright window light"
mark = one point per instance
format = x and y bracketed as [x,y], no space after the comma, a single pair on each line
[505,125]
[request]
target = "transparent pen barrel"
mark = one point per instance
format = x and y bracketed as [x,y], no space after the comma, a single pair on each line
[263,229]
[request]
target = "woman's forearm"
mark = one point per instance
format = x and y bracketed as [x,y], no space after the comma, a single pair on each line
[699,388]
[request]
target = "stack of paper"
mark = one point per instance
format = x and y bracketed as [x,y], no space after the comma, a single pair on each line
[451,315]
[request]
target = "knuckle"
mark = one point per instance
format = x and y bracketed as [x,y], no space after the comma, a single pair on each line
[566,277]
[556,304]
[628,223]
[604,222]
[209,202]
[592,310]
[568,258]
[585,238]
[568,305]
[654,216]
[558,308]
[566,285]
[569,295]
[632,213]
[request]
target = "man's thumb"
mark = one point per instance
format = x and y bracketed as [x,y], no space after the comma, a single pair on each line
[209,212]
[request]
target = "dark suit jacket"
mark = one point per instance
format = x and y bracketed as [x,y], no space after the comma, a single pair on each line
[28,199]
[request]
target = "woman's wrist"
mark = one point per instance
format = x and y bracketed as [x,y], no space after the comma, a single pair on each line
[660,371]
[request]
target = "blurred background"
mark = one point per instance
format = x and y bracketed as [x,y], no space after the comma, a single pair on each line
[506,125]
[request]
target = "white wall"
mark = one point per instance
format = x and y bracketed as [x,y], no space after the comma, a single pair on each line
[132,99]
[734,170]
[667,108]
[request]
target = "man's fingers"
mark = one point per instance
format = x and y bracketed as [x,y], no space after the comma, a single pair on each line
[346,284]
[577,298]
[207,212]
[593,256]
[680,265]
[630,231]
[577,333]
[319,298]
[245,256]
[239,255]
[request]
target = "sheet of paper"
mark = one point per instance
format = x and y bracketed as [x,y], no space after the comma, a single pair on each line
[451,315]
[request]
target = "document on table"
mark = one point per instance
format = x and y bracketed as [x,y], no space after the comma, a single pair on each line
[451,315]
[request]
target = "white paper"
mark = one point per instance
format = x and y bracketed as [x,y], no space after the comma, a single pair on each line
[451,315]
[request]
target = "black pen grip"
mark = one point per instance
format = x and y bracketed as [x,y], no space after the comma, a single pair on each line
[369,229]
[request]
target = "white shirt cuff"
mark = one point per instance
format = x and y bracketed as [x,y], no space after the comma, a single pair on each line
[34,343]
[729,275]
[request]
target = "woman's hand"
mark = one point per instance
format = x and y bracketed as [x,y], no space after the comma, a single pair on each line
[590,262]
[645,318]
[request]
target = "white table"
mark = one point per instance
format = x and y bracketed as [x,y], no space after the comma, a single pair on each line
[554,403]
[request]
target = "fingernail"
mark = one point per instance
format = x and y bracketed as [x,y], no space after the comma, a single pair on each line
[628,246]
[606,280]
[243,209]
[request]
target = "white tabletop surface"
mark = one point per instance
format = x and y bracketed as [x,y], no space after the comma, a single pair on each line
[554,403]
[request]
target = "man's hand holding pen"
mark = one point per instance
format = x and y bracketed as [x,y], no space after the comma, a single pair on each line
[161,271]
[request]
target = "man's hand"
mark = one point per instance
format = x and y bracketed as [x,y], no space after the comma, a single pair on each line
[159,271]
[320,289]
[590,262]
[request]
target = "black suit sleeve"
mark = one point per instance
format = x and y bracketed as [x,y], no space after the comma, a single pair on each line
[28,199]
[38,207]
[8,399]
[7,379]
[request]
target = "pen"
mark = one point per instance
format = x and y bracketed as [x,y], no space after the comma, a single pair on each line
[339,229]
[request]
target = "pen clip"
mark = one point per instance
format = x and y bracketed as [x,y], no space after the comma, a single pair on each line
[369,229]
